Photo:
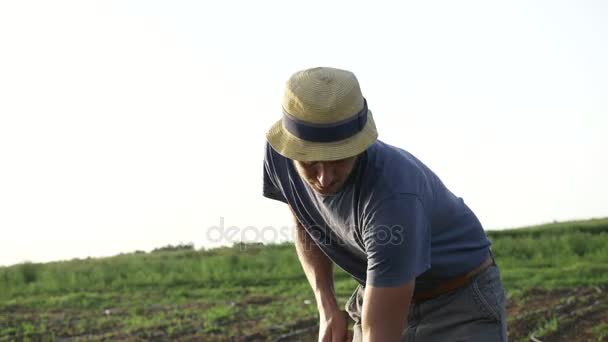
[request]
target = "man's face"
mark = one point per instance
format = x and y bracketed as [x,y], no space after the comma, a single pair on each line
[326,177]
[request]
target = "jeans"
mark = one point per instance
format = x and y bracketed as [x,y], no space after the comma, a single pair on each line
[476,312]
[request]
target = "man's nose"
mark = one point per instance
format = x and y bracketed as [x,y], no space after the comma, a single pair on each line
[325,176]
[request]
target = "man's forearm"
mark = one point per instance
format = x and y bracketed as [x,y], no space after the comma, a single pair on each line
[385,311]
[318,269]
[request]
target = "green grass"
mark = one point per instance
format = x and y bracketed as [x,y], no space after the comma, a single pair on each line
[180,289]
[601,332]
[553,255]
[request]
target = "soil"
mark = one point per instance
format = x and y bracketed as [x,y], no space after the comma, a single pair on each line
[572,314]
[578,311]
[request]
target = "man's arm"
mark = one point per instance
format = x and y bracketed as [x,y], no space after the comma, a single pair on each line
[397,241]
[385,311]
[318,269]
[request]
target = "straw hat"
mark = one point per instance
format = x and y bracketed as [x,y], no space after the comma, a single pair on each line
[325,117]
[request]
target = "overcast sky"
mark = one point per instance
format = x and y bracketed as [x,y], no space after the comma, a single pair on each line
[130,125]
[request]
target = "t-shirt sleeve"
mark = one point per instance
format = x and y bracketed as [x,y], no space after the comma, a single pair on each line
[397,241]
[271,187]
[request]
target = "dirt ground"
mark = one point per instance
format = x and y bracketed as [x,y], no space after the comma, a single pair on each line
[577,314]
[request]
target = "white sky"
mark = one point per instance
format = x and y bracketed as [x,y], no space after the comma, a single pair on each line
[130,125]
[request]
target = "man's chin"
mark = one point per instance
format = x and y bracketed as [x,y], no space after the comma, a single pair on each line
[326,191]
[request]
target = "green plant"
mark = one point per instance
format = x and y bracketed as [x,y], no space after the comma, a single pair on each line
[29,271]
[601,332]
[548,327]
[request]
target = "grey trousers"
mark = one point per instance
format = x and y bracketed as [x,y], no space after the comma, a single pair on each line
[476,312]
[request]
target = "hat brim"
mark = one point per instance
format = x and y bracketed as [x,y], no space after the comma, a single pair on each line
[295,148]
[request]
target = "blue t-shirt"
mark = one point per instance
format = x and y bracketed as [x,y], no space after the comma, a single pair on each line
[392,221]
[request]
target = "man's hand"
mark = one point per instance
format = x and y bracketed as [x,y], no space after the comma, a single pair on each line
[333,327]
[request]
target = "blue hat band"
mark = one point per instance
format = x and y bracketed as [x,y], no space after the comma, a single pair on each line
[334,131]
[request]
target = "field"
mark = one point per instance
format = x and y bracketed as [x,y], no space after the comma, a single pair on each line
[556,276]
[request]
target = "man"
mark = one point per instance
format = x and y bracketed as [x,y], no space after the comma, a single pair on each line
[419,253]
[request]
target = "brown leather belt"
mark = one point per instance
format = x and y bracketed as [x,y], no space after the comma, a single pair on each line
[453,283]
